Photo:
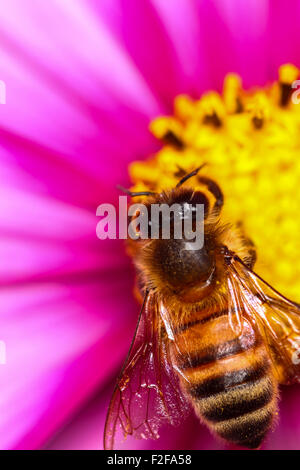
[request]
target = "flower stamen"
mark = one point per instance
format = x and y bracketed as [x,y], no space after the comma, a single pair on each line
[287,74]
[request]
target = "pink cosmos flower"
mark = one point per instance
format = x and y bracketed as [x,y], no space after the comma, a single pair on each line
[83,80]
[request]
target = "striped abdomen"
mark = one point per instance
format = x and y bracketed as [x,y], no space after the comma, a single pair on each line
[229,378]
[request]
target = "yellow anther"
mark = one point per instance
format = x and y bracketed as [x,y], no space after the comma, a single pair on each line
[259,109]
[161,126]
[212,108]
[184,107]
[231,93]
[288,73]
[140,173]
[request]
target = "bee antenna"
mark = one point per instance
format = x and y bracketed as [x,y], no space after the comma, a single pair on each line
[134,194]
[189,175]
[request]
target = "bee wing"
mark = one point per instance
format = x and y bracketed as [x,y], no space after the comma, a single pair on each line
[147,392]
[277,318]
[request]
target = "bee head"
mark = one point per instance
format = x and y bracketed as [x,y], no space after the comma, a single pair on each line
[178,263]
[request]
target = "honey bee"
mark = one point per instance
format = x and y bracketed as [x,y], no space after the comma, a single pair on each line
[212,335]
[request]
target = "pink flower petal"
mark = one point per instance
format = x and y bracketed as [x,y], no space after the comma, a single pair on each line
[81,110]
[59,339]
[83,80]
[85,432]
[246,23]
[24,261]
[286,434]
[44,238]
[139,26]
[25,214]
[283,33]
[181,21]
[234,38]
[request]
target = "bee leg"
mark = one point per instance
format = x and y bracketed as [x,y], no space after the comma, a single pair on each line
[215,190]
[252,256]
[248,244]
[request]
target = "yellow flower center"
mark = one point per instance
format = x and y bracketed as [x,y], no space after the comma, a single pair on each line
[250,141]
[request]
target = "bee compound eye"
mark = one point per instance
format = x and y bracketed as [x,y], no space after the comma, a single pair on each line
[199,199]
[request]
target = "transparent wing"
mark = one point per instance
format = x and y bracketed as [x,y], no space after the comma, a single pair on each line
[147,392]
[277,318]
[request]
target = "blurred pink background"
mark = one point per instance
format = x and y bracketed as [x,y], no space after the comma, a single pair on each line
[83,80]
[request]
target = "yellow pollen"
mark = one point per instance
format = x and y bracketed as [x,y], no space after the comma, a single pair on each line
[250,142]
[288,73]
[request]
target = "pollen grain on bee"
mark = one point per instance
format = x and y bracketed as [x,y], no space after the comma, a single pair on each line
[158,221]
